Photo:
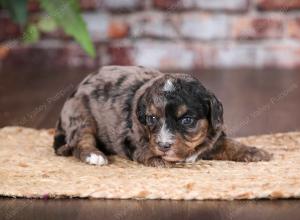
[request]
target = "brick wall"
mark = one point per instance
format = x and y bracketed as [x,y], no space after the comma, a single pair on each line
[170,35]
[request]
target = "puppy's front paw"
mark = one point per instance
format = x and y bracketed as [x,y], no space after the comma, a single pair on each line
[253,154]
[158,162]
[65,150]
[95,158]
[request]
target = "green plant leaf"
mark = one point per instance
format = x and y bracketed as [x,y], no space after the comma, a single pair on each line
[17,10]
[46,24]
[31,34]
[66,14]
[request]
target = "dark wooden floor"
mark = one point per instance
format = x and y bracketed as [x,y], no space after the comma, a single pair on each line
[150,209]
[255,102]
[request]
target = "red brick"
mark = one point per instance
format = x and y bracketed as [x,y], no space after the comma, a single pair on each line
[293,28]
[257,27]
[168,4]
[90,4]
[119,55]
[117,29]
[33,6]
[279,5]
[9,30]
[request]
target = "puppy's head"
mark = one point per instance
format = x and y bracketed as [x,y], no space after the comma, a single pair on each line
[178,114]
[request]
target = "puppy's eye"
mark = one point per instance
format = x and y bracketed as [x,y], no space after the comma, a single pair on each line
[187,121]
[151,120]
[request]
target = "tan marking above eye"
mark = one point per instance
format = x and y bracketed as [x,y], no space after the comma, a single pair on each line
[152,110]
[181,111]
[155,110]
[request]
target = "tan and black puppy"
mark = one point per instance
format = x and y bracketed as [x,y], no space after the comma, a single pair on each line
[144,115]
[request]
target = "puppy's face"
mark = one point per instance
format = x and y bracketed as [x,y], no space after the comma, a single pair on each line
[176,113]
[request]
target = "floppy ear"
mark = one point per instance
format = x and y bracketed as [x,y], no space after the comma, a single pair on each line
[216,112]
[141,110]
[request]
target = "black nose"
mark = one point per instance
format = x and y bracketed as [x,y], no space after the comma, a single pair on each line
[164,146]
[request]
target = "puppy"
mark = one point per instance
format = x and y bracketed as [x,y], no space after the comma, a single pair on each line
[146,116]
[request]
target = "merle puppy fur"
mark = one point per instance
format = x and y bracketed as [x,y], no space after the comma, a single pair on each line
[144,115]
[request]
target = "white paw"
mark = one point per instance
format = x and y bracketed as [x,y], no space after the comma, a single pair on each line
[96,159]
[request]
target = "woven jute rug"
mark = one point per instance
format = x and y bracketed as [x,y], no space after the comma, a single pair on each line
[29,168]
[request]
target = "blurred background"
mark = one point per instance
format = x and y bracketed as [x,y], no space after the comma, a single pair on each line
[246,51]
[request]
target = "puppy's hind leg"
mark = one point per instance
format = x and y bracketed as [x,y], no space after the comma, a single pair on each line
[81,129]
[86,149]
[229,149]
[60,146]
